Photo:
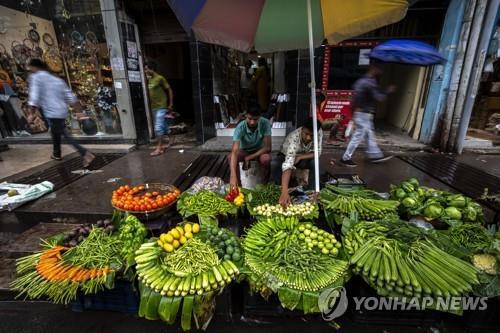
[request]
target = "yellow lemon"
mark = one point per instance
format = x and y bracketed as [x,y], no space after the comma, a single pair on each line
[160,243]
[175,233]
[183,240]
[176,244]
[188,235]
[168,247]
[196,228]
[168,238]
[180,230]
[188,228]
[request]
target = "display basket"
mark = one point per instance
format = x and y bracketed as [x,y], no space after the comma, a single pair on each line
[155,213]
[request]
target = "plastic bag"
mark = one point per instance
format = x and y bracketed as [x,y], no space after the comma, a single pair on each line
[212,184]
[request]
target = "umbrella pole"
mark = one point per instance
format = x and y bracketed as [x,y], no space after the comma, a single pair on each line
[313,97]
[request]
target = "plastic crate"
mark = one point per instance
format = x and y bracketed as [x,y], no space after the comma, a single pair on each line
[122,298]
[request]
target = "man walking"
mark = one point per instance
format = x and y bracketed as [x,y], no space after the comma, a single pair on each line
[367,94]
[161,98]
[52,95]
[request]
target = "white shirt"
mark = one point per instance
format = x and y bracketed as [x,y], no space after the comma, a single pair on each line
[51,94]
[293,146]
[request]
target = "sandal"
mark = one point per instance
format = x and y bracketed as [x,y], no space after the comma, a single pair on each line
[157,152]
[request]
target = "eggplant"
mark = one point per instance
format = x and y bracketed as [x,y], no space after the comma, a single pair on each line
[107,222]
[81,239]
[72,243]
[100,223]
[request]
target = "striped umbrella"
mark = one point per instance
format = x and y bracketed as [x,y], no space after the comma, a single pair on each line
[279,25]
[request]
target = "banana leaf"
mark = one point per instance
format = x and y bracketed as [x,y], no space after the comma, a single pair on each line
[164,308]
[144,301]
[152,306]
[173,309]
[187,311]
[289,298]
[310,302]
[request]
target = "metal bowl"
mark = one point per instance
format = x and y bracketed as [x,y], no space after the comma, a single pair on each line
[155,213]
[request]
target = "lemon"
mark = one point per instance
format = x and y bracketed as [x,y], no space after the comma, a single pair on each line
[180,230]
[176,244]
[188,235]
[196,228]
[160,243]
[168,238]
[183,240]
[188,228]
[175,233]
[168,247]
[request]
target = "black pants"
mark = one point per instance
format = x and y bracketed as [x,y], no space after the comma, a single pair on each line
[58,129]
[305,164]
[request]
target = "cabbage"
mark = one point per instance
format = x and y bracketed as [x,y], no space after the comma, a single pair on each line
[400,193]
[409,202]
[469,214]
[453,213]
[457,200]
[433,211]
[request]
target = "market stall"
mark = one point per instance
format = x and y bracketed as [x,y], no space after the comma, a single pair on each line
[413,243]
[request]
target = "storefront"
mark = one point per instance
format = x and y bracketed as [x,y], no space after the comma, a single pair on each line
[86,45]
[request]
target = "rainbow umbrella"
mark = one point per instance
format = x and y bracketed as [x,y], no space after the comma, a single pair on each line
[279,25]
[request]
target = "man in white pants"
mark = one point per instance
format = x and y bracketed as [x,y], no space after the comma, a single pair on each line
[367,94]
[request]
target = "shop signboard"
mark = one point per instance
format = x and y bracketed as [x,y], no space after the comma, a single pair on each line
[337,102]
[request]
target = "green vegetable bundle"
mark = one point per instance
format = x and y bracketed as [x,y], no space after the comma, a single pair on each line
[204,204]
[131,234]
[262,194]
[471,236]
[366,203]
[278,260]
[190,276]
[420,269]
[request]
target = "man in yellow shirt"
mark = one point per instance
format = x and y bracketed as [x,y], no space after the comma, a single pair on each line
[161,99]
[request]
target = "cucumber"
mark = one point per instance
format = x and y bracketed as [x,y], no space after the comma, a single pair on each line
[205,280]
[211,279]
[167,284]
[174,284]
[192,287]
[223,273]
[187,283]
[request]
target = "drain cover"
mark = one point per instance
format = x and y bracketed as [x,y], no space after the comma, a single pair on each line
[62,173]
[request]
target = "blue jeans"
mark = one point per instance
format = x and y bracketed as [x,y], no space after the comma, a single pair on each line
[161,125]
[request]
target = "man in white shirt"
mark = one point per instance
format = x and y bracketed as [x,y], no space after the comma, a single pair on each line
[297,152]
[52,95]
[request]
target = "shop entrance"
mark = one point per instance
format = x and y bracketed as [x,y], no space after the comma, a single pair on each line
[164,41]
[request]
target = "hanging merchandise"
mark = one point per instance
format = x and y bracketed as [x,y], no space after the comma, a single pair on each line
[21,53]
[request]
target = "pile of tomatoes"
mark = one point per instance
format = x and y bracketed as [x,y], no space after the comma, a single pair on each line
[134,198]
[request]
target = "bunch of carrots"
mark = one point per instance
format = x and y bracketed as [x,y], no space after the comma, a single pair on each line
[52,268]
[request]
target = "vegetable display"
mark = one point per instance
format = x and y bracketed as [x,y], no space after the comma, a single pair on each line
[191,277]
[396,262]
[225,242]
[279,261]
[235,196]
[178,236]
[204,204]
[263,194]
[139,199]
[306,210]
[76,236]
[474,237]
[366,203]
[59,272]
[435,205]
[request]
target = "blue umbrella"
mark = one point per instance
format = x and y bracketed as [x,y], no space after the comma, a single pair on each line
[409,52]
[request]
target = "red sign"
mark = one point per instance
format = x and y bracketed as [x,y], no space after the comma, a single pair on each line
[338,102]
